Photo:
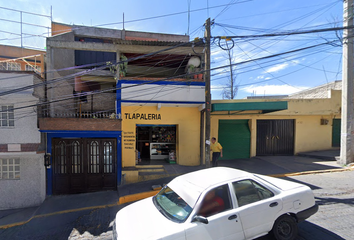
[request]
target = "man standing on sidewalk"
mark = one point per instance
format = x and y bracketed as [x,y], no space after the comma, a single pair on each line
[217,151]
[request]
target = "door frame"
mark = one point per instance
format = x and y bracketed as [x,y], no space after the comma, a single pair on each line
[81,134]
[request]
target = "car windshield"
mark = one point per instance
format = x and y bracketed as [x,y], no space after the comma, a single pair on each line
[171,205]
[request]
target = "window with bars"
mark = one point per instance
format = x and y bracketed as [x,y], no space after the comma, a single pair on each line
[94,157]
[7,117]
[30,68]
[9,168]
[76,162]
[12,66]
[108,157]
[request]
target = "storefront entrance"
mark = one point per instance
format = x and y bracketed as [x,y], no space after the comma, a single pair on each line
[156,143]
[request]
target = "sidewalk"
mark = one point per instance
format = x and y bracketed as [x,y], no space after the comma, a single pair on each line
[269,165]
[57,205]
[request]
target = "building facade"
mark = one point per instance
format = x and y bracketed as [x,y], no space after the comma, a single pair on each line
[103,117]
[305,121]
[22,170]
[14,58]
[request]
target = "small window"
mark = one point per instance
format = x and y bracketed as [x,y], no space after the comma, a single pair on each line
[7,117]
[9,168]
[248,191]
[30,68]
[215,201]
[10,66]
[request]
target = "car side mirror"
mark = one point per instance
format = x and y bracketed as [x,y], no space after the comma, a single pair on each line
[200,219]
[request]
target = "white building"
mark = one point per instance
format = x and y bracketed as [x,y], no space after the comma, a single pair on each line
[22,170]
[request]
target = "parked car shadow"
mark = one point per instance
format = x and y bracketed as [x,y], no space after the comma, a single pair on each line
[310,231]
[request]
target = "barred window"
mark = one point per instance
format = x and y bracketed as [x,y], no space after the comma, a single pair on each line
[7,117]
[10,168]
[12,66]
[30,68]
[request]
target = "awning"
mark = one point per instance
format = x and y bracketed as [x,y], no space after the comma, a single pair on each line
[265,107]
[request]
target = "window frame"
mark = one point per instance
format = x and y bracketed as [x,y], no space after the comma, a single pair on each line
[234,196]
[15,173]
[201,199]
[7,114]
[34,68]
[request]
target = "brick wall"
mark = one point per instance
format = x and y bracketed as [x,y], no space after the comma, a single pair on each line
[80,124]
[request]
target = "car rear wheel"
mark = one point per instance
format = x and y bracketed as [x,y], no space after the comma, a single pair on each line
[285,228]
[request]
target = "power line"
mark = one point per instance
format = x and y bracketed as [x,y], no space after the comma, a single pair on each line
[90,70]
[170,78]
[287,33]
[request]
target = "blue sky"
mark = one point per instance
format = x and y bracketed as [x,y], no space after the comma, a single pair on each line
[282,75]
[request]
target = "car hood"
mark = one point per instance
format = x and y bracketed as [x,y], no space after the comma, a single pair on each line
[142,220]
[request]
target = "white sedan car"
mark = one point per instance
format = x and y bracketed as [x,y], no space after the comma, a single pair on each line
[218,203]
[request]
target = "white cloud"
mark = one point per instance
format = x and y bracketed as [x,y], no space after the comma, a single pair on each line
[277,68]
[273,89]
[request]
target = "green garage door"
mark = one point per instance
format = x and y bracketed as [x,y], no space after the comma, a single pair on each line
[336,132]
[235,138]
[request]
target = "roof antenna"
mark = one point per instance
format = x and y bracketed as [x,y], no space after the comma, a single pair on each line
[123,21]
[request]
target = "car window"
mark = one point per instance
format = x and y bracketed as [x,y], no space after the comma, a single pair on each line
[215,201]
[248,191]
[171,205]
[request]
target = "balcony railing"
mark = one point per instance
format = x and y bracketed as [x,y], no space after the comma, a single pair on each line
[101,114]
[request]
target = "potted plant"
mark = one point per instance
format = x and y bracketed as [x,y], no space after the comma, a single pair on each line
[191,69]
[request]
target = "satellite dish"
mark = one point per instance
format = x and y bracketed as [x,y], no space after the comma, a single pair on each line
[195,61]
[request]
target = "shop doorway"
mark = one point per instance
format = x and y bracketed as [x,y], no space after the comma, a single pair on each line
[156,143]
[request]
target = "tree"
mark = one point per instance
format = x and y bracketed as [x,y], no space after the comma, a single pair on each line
[230,90]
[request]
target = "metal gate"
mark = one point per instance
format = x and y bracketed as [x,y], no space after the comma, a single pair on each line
[84,165]
[235,138]
[275,137]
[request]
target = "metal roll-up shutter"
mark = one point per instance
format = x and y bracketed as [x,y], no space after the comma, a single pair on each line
[235,138]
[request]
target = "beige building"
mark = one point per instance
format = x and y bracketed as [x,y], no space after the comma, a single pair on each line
[305,121]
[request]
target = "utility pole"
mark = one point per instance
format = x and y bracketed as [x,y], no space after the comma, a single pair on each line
[207,92]
[347,130]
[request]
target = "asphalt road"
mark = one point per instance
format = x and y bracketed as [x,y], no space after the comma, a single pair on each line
[334,193]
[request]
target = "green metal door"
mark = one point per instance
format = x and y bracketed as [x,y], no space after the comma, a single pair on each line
[336,132]
[235,138]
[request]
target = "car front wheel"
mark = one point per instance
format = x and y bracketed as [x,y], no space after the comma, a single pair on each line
[285,228]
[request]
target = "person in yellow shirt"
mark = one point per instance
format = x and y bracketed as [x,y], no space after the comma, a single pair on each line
[216,148]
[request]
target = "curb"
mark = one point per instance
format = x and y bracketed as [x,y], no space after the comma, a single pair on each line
[143,195]
[311,172]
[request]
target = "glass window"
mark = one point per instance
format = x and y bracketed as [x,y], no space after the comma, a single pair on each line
[248,191]
[9,168]
[7,116]
[13,66]
[171,205]
[30,68]
[215,201]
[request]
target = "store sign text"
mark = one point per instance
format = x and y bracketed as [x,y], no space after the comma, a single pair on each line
[143,116]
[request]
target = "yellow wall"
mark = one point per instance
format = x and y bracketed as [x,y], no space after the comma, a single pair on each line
[310,135]
[187,120]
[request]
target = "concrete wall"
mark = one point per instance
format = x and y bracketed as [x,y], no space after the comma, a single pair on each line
[25,129]
[163,92]
[58,59]
[29,190]
[187,120]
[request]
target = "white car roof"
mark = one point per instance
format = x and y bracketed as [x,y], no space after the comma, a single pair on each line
[189,186]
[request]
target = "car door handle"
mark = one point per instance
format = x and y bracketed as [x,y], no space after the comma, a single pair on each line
[232,217]
[274,204]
